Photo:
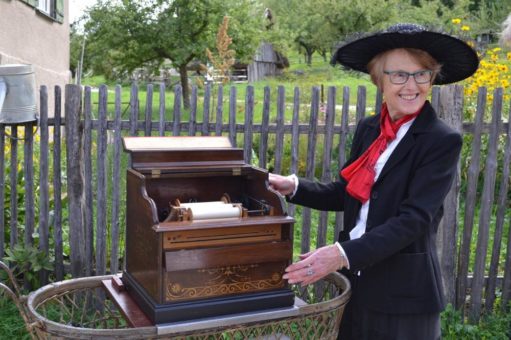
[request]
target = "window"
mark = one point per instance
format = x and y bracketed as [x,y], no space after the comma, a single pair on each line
[44,6]
[52,8]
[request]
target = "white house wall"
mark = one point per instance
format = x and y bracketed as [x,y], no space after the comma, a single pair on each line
[29,37]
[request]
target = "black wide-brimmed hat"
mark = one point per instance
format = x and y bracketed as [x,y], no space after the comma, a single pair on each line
[458,59]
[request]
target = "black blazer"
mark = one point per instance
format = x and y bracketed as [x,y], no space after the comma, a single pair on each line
[397,256]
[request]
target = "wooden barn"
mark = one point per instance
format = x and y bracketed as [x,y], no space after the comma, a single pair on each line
[267,63]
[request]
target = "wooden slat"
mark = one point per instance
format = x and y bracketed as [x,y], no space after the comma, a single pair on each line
[451,110]
[219,111]
[206,108]
[343,136]
[57,187]
[470,202]
[303,128]
[101,186]
[326,175]
[502,204]
[295,140]
[265,122]
[468,128]
[506,283]
[378,102]
[310,167]
[249,120]
[2,189]
[161,111]
[499,223]
[44,195]
[435,98]
[148,110]
[13,176]
[28,170]
[178,95]
[116,180]
[361,103]
[279,134]
[75,179]
[232,116]
[486,209]
[192,126]
[134,110]
[88,190]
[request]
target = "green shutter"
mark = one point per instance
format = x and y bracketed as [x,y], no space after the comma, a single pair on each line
[59,11]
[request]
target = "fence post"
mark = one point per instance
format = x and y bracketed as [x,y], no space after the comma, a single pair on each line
[451,112]
[478,292]
[75,178]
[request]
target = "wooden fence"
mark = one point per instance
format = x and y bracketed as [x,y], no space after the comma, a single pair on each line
[77,202]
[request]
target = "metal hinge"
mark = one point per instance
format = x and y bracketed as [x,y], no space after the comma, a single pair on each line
[236,171]
[155,173]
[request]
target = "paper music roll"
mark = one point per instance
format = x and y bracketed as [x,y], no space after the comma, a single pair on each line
[194,204]
[211,211]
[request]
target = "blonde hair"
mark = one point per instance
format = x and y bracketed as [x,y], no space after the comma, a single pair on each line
[376,65]
[505,36]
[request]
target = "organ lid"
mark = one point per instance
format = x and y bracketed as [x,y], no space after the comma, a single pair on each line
[152,154]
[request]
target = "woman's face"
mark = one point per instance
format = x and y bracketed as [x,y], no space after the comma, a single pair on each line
[408,98]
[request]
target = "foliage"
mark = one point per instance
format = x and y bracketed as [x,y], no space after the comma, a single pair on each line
[495,326]
[493,72]
[133,34]
[316,26]
[223,60]
[431,13]
[75,50]
[28,263]
[11,323]
[487,15]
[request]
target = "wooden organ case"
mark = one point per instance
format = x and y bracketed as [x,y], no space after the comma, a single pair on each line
[205,236]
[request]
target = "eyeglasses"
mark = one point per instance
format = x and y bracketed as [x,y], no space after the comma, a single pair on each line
[401,77]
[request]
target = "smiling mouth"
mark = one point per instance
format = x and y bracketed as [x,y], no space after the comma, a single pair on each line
[409,96]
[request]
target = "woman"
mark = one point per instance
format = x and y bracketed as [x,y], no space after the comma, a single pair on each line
[391,190]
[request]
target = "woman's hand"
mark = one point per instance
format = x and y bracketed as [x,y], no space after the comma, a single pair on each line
[315,265]
[283,185]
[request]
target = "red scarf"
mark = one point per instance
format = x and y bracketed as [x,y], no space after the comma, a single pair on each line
[360,174]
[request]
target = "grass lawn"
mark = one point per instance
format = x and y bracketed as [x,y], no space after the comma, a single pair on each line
[320,74]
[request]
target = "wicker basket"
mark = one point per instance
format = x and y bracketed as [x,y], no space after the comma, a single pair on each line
[80,309]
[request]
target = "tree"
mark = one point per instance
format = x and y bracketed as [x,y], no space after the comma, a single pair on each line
[123,36]
[317,25]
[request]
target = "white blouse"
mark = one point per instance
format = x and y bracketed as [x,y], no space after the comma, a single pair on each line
[360,227]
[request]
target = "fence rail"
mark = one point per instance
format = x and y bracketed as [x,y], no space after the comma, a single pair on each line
[78,201]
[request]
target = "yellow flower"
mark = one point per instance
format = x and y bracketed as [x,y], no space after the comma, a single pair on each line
[508,55]
[456,21]
[465,28]
[496,49]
